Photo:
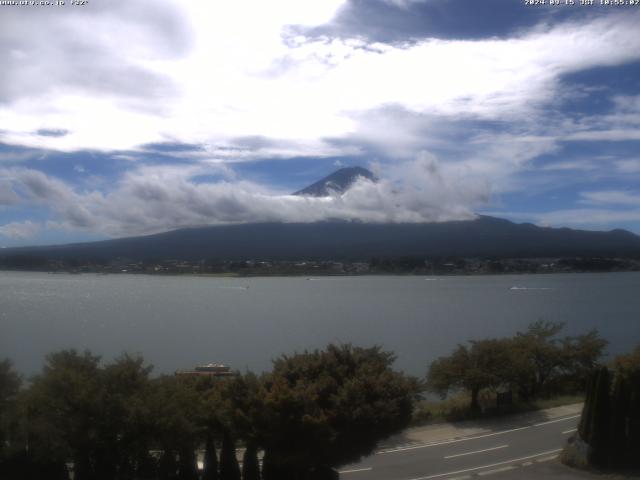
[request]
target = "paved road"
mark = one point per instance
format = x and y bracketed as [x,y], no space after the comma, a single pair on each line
[465,457]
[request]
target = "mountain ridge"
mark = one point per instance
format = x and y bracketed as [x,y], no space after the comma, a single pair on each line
[335,240]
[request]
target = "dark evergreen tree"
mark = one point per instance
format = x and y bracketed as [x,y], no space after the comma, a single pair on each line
[10,383]
[187,466]
[272,470]
[229,468]
[610,422]
[584,427]
[633,443]
[600,420]
[24,465]
[250,465]
[168,467]
[628,369]
[210,460]
[269,470]
[618,437]
[146,467]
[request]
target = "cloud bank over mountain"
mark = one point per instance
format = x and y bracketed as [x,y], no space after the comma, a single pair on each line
[153,201]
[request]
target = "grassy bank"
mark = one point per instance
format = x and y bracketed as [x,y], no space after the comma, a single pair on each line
[456,408]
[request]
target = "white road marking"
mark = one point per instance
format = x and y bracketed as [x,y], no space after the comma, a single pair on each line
[487,466]
[570,431]
[466,439]
[355,470]
[556,421]
[497,470]
[477,451]
[546,459]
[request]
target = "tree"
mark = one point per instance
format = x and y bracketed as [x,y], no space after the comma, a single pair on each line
[229,468]
[482,365]
[14,461]
[96,416]
[533,362]
[536,356]
[627,369]
[187,466]
[64,406]
[629,364]
[10,382]
[210,471]
[580,357]
[600,420]
[611,415]
[237,409]
[250,465]
[177,407]
[328,408]
[125,424]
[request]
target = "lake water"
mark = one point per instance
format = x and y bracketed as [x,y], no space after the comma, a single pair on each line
[177,322]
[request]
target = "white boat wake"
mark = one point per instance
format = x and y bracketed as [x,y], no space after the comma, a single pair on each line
[515,287]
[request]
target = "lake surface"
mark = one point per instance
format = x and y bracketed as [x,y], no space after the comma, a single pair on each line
[178,322]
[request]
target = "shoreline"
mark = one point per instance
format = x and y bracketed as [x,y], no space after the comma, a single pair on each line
[318,275]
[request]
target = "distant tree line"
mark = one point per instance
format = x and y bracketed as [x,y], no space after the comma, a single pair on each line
[313,412]
[531,364]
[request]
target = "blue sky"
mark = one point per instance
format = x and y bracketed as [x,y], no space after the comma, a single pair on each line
[132,117]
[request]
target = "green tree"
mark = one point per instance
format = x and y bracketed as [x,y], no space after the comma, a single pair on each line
[239,405]
[580,356]
[627,369]
[600,420]
[10,382]
[328,408]
[250,465]
[542,363]
[611,415]
[229,468]
[244,411]
[125,424]
[481,365]
[64,410]
[177,406]
[629,364]
[187,466]
[210,470]
[537,355]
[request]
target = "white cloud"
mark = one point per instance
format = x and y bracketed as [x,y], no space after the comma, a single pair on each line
[239,74]
[15,157]
[153,199]
[621,123]
[611,135]
[236,79]
[7,195]
[403,3]
[628,165]
[612,197]
[579,165]
[20,230]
